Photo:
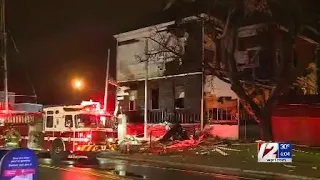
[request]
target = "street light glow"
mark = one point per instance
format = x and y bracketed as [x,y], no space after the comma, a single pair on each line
[77,84]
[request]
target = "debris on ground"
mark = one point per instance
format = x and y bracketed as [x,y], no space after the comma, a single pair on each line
[180,145]
[130,145]
[176,132]
[203,145]
[157,131]
[177,140]
[288,166]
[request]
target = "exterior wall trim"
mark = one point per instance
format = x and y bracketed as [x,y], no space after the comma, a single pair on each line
[164,77]
[134,34]
[138,33]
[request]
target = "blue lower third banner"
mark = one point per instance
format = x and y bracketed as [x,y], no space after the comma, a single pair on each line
[19,164]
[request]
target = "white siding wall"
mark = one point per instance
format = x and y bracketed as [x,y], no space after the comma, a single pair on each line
[131,52]
[129,65]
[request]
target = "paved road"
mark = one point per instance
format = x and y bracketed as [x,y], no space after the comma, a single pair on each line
[68,173]
[117,169]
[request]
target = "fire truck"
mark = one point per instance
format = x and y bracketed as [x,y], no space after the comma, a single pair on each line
[74,131]
[15,127]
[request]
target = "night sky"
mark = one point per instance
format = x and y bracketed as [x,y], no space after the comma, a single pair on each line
[62,39]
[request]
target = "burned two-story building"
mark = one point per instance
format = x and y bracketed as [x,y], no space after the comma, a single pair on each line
[178,62]
[172,60]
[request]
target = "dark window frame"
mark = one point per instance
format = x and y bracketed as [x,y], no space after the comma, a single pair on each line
[49,122]
[66,118]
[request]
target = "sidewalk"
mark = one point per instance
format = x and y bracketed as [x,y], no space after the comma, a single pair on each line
[239,159]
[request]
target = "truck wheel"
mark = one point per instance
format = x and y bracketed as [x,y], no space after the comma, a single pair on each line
[92,158]
[57,150]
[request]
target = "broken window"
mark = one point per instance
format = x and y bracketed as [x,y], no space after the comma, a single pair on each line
[155,98]
[132,100]
[179,97]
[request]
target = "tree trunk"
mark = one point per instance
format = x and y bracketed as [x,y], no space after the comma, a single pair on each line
[265,126]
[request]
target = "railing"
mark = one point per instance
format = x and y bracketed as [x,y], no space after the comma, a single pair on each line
[161,116]
[179,115]
[215,115]
[222,115]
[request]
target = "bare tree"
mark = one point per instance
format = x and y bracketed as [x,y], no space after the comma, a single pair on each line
[262,109]
[164,46]
[259,96]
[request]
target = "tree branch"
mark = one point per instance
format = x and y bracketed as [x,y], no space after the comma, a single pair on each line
[312,29]
[223,78]
[249,111]
[163,46]
[235,83]
[225,29]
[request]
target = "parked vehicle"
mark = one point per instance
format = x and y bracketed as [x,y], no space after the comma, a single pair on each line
[74,131]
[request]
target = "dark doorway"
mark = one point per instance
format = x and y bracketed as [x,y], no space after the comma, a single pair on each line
[155,98]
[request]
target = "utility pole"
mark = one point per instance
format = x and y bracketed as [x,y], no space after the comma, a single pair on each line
[202,79]
[105,102]
[146,89]
[4,54]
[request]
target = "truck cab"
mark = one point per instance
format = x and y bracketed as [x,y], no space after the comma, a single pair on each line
[77,128]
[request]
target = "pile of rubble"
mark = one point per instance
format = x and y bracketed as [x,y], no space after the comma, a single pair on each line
[213,145]
[177,139]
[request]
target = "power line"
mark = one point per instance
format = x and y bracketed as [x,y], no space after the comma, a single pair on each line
[25,69]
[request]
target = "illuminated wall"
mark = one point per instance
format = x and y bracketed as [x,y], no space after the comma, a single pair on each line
[172,51]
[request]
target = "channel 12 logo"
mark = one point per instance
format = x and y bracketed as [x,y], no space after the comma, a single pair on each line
[275,152]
